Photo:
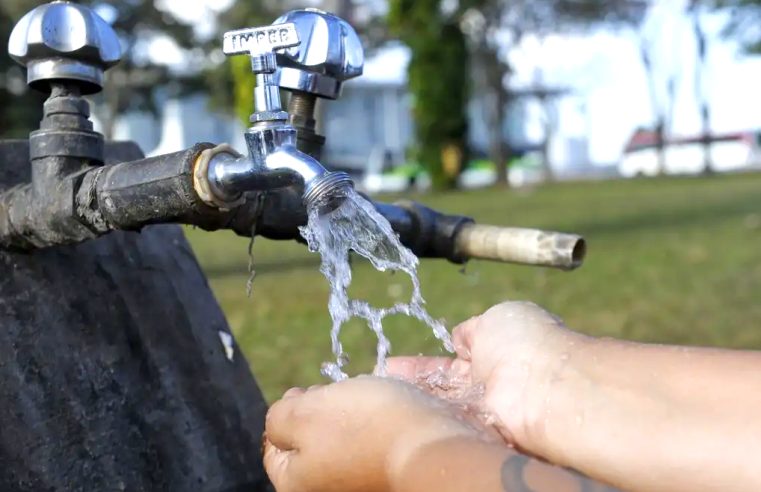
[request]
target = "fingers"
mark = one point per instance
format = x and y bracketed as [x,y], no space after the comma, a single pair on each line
[286,417]
[285,432]
[413,368]
[276,464]
[281,423]
[440,376]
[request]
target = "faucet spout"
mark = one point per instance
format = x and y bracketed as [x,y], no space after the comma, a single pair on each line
[305,172]
[273,163]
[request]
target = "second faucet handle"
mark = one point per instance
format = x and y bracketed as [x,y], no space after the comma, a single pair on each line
[331,54]
[261,43]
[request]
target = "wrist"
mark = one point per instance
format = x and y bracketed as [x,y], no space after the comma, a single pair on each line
[410,443]
[554,393]
[451,464]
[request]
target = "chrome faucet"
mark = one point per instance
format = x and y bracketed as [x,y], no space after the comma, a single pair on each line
[274,161]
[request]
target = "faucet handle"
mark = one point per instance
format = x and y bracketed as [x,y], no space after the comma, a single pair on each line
[255,41]
[63,41]
[330,54]
[260,43]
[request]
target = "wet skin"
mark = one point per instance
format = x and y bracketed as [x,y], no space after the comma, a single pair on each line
[640,417]
[383,435]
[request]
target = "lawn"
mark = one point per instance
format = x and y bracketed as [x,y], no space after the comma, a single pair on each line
[669,260]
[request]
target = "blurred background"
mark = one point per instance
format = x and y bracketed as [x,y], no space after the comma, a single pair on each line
[634,123]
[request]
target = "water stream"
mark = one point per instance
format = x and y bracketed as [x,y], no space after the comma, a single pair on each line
[356,226]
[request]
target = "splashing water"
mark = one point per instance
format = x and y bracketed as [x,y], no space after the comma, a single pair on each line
[356,226]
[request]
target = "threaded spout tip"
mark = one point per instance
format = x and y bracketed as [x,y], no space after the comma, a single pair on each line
[328,191]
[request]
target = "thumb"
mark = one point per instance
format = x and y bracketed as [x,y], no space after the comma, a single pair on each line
[277,464]
[462,337]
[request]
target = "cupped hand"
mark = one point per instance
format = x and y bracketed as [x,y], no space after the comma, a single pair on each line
[507,361]
[355,435]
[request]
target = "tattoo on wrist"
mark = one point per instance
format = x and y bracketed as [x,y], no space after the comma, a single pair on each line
[513,474]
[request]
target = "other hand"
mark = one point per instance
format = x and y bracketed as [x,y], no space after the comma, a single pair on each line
[355,435]
[513,352]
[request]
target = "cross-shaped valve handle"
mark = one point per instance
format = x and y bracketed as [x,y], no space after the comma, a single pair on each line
[260,43]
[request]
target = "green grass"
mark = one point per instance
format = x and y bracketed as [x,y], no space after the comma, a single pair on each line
[669,260]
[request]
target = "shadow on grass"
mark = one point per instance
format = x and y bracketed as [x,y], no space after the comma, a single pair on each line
[232,270]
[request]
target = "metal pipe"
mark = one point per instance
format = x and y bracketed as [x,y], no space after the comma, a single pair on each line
[431,234]
[523,246]
[302,104]
[158,189]
[162,189]
[266,93]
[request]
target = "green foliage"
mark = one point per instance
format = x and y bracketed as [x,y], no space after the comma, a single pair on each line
[438,82]
[243,81]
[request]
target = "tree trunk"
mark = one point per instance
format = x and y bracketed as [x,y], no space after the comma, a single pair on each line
[498,151]
[705,116]
[706,140]
[549,175]
[658,110]
[660,145]
[495,97]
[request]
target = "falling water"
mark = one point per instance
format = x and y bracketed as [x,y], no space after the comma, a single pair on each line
[356,226]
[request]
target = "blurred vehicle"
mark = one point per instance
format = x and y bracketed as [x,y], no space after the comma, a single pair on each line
[729,152]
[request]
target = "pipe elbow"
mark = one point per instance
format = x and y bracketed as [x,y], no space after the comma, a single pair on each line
[296,168]
[316,184]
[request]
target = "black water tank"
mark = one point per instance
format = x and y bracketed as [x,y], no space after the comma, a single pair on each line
[113,375]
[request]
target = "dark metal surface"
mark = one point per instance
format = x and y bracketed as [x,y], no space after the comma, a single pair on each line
[44,213]
[65,130]
[131,195]
[158,189]
[112,374]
